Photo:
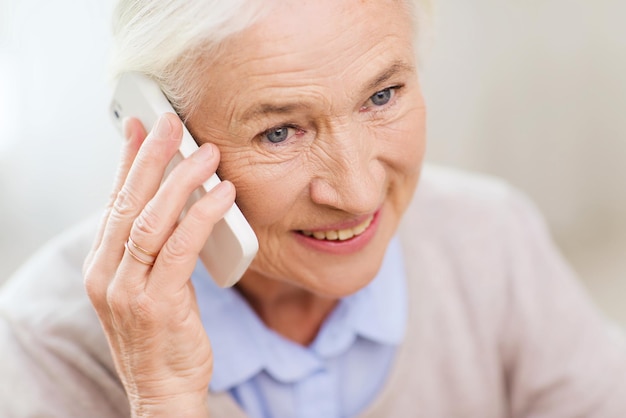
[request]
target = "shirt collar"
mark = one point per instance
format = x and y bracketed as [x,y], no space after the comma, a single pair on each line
[243,346]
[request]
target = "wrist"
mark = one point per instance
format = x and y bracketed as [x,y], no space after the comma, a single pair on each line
[180,407]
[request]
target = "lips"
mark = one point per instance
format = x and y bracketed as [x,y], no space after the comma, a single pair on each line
[344,238]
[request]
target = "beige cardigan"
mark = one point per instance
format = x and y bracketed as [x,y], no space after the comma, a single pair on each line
[498,325]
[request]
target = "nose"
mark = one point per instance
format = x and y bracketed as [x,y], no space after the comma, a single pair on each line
[351,177]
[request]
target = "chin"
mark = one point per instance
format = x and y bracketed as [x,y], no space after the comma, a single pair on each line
[340,280]
[337,276]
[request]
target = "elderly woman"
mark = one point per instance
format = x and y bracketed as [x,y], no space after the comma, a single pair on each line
[366,298]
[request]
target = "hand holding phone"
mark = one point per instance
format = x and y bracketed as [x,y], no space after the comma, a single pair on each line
[232,245]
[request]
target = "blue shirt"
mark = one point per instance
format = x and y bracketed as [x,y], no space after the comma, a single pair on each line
[338,375]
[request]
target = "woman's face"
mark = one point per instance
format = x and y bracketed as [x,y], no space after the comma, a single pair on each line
[319,118]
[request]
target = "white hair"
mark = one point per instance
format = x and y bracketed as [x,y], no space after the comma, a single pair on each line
[164,39]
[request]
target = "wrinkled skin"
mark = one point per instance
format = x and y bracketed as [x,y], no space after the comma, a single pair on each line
[340,78]
[344,157]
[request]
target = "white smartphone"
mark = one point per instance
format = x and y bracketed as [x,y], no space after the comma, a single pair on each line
[232,244]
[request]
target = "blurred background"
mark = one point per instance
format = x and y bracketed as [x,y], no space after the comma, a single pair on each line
[530,91]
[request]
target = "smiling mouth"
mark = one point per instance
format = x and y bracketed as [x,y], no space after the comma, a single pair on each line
[340,234]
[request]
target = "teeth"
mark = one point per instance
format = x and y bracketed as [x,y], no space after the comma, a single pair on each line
[345,234]
[359,229]
[340,234]
[332,235]
[319,235]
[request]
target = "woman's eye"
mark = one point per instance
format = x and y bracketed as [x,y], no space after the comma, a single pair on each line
[381,98]
[277,135]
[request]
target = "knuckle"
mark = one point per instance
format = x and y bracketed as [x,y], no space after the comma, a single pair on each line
[93,287]
[177,248]
[137,313]
[87,265]
[204,213]
[116,300]
[111,199]
[128,307]
[156,152]
[144,309]
[125,204]
[148,221]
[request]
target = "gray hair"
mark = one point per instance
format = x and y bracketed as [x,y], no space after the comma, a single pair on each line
[164,40]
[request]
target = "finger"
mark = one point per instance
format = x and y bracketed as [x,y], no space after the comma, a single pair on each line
[177,259]
[140,185]
[134,135]
[155,223]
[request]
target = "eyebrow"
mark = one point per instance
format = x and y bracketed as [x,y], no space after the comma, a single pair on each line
[396,67]
[267,109]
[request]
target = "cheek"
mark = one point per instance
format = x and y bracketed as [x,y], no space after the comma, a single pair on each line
[266,192]
[404,143]
[402,155]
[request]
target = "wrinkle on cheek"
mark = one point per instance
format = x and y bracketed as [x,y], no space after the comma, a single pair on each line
[403,139]
[401,148]
[269,257]
[266,193]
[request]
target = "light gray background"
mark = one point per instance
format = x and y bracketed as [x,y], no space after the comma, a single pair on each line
[531,91]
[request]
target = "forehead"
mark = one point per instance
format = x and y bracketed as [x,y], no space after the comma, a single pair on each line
[295,34]
[302,46]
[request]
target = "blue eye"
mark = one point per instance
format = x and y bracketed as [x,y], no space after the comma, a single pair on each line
[381,98]
[277,135]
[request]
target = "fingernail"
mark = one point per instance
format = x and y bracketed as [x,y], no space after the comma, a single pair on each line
[126,128]
[204,153]
[163,127]
[223,189]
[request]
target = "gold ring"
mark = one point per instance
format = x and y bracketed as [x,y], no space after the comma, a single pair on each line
[141,258]
[140,249]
